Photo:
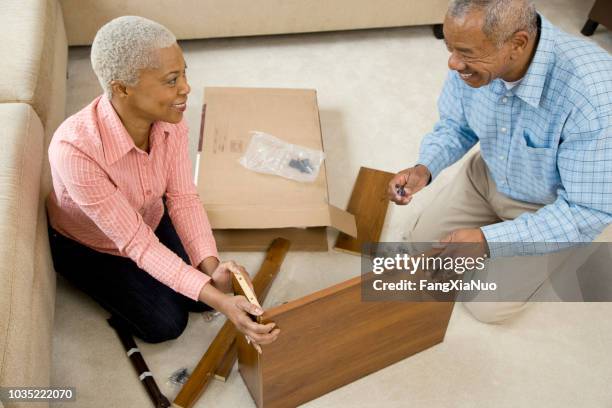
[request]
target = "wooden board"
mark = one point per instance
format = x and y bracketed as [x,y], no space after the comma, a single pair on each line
[226,365]
[250,240]
[220,350]
[331,338]
[368,203]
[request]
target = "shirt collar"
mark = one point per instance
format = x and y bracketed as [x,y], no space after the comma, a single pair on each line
[116,140]
[531,87]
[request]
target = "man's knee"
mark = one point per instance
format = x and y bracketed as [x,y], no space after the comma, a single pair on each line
[425,229]
[494,312]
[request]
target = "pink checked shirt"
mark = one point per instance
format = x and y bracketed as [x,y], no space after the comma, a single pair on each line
[108,194]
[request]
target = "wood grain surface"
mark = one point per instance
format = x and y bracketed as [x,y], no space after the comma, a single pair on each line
[219,350]
[368,203]
[331,338]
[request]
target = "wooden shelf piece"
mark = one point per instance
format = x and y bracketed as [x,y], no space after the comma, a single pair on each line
[368,203]
[331,338]
[219,351]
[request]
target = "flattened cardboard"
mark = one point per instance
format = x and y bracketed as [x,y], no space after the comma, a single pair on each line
[238,198]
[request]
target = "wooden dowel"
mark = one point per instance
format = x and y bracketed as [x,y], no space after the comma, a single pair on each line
[222,343]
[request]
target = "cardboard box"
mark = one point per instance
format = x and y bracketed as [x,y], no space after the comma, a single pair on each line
[248,209]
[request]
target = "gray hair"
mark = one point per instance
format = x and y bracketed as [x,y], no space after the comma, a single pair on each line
[502,18]
[124,46]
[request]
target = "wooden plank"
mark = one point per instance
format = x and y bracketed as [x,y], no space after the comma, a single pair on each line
[368,203]
[241,287]
[199,379]
[225,368]
[221,344]
[256,240]
[261,287]
[331,338]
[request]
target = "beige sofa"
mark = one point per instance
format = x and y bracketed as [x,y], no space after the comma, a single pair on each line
[32,104]
[189,19]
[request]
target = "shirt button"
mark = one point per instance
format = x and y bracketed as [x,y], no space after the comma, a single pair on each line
[503,130]
[504,99]
[501,157]
[148,192]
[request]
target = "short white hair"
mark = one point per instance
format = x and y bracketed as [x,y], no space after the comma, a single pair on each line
[502,18]
[124,46]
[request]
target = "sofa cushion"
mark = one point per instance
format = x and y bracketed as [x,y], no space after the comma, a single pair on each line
[28,47]
[25,304]
[229,18]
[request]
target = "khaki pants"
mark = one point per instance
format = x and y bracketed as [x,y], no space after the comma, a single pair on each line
[472,201]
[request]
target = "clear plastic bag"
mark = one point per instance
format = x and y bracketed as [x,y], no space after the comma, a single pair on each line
[270,155]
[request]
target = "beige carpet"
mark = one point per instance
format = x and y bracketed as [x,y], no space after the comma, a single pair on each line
[377,93]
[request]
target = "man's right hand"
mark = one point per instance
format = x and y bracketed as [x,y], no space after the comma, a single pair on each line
[410,181]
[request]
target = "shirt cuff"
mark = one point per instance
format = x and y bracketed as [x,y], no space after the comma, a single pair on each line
[500,240]
[192,282]
[434,166]
[200,251]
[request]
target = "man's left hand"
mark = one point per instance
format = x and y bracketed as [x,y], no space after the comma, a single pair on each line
[465,237]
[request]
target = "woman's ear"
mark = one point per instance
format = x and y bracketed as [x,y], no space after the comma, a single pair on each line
[119,89]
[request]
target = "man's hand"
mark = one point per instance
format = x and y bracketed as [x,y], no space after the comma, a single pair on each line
[408,182]
[465,237]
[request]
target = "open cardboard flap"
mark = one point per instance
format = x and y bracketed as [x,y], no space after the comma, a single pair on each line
[237,198]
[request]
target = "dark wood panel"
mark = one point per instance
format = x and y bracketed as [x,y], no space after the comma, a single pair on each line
[368,203]
[220,350]
[331,338]
[602,13]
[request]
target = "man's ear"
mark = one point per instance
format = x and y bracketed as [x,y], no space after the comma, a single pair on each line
[519,42]
[119,89]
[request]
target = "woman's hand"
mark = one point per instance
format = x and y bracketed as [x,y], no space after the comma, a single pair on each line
[237,310]
[222,276]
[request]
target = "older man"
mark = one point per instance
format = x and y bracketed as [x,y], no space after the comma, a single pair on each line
[539,101]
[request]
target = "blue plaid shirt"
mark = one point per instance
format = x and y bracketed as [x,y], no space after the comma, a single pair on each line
[548,141]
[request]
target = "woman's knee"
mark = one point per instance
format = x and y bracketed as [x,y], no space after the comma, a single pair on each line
[163,326]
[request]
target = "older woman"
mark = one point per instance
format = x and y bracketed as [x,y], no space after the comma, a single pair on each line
[126,224]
